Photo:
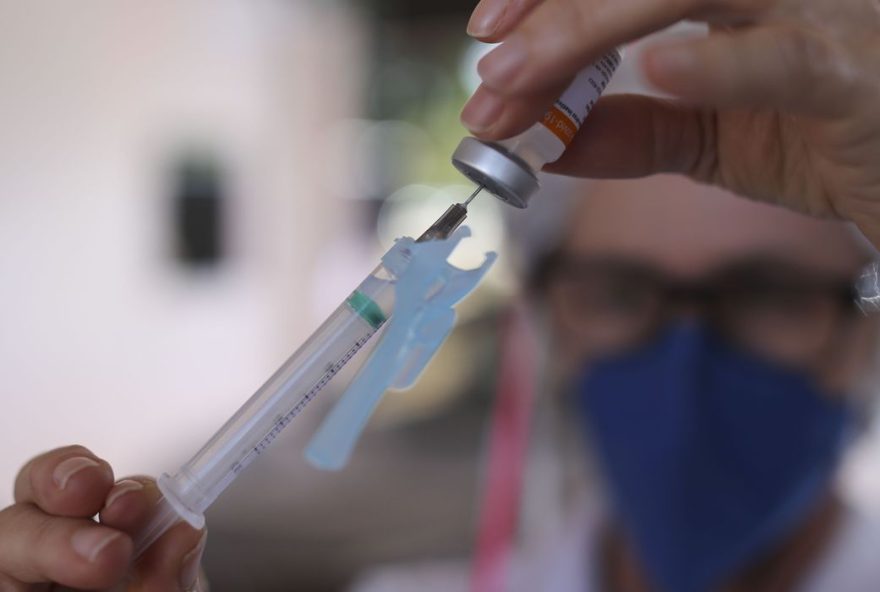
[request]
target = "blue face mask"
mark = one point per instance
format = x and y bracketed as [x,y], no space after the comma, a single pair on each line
[712,455]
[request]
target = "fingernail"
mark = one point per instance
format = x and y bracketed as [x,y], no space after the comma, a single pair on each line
[501,65]
[481,112]
[89,542]
[120,489]
[189,573]
[70,467]
[486,17]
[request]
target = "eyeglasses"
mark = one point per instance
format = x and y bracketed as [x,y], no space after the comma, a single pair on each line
[775,309]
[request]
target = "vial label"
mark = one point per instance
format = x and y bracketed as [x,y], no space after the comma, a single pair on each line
[567,115]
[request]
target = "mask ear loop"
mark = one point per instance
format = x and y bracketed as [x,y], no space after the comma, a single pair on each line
[508,443]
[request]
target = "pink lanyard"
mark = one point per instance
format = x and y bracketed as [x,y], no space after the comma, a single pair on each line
[508,441]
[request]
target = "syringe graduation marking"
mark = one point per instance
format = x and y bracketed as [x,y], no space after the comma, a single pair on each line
[282,422]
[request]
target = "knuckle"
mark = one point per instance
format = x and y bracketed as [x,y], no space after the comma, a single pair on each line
[705,165]
[803,52]
[817,63]
[42,532]
[7,525]
[14,523]
[19,537]
[582,11]
[576,17]
[34,545]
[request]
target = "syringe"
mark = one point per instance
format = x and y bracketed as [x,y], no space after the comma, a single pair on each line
[194,487]
[507,169]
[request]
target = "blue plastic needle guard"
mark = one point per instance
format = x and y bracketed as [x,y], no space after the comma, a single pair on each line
[427,288]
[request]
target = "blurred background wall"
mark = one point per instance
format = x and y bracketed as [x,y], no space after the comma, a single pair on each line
[186,189]
[112,115]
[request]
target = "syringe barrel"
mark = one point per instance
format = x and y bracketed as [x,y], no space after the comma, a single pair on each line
[253,427]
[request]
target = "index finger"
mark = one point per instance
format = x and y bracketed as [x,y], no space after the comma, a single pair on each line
[493,19]
[70,481]
[559,37]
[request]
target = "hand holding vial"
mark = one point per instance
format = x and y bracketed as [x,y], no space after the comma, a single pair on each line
[779,102]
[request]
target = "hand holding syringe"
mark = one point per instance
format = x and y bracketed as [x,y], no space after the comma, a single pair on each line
[414,282]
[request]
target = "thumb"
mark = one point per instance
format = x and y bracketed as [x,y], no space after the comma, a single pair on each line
[629,136]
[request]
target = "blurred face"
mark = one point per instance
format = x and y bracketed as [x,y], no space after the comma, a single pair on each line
[642,254]
[709,340]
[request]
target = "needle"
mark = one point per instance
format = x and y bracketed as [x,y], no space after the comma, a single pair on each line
[473,195]
[450,220]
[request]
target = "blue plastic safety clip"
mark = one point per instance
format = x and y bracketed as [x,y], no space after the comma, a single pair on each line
[427,288]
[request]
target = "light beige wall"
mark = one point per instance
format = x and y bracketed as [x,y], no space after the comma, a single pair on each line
[102,341]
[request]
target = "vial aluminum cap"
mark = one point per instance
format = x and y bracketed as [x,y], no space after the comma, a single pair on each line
[503,174]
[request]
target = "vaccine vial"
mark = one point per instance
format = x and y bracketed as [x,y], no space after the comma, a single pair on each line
[508,169]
